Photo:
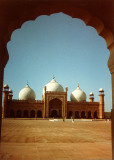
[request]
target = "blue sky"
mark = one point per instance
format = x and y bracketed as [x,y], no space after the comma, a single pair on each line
[61,45]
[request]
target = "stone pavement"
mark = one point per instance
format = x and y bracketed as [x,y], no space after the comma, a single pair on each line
[45,140]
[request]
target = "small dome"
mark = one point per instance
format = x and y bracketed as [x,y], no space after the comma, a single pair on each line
[91,94]
[101,90]
[6,86]
[10,91]
[78,95]
[54,86]
[27,93]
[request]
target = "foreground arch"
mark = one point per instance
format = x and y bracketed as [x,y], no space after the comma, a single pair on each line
[99,15]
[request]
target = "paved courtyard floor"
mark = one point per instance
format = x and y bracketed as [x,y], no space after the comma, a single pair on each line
[55,140]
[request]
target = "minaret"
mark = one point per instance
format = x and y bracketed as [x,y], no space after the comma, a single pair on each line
[91,97]
[5,99]
[44,98]
[10,94]
[101,103]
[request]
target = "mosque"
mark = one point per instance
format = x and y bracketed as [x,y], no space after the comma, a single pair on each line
[53,104]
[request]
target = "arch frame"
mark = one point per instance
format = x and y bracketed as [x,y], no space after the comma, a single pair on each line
[49,8]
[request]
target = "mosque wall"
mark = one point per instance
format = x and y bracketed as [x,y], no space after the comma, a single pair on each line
[83,109]
[24,108]
[54,103]
[35,109]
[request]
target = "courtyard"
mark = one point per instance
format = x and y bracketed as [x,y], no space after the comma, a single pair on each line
[33,139]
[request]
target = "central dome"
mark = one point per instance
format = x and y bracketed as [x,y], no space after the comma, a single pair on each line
[54,86]
[27,93]
[78,95]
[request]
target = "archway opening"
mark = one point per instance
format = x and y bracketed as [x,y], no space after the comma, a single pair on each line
[61,41]
[89,115]
[77,115]
[70,114]
[95,114]
[55,108]
[12,114]
[18,114]
[83,114]
[25,115]
[32,114]
[54,114]
[39,114]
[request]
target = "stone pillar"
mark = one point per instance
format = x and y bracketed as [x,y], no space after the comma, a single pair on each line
[79,114]
[73,114]
[111,68]
[86,114]
[92,115]
[35,113]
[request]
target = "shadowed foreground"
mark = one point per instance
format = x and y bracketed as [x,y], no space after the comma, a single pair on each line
[58,140]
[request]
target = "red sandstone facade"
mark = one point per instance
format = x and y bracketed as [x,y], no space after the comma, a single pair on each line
[53,104]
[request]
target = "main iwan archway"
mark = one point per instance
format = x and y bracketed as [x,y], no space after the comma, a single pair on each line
[14,14]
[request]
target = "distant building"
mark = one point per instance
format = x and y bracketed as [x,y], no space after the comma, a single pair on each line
[53,104]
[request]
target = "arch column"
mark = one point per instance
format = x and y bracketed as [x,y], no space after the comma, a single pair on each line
[3,60]
[86,114]
[28,113]
[111,68]
[35,113]
[92,114]
[1,87]
[79,114]
[73,114]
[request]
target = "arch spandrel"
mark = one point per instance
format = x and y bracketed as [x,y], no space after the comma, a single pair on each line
[70,10]
[97,24]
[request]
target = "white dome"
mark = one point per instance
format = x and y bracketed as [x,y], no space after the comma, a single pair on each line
[91,94]
[78,95]
[6,86]
[10,90]
[101,90]
[27,93]
[53,86]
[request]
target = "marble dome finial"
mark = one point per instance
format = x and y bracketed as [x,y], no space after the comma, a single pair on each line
[78,85]
[53,76]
